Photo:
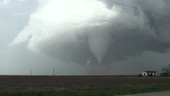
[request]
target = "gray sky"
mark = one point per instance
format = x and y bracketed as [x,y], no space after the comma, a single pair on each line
[83,37]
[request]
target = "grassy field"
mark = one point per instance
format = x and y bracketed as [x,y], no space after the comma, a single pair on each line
[92,92]
[80,85]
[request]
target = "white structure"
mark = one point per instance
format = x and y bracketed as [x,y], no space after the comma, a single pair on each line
[149,73]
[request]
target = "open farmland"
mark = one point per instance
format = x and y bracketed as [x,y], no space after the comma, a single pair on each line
[38,83]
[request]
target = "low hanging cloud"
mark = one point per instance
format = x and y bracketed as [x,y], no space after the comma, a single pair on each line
[96,32]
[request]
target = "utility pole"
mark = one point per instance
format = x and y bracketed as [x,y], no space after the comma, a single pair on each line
[31,73]
[53,72]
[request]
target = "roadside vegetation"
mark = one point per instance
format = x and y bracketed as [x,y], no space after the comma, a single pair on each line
[93,92]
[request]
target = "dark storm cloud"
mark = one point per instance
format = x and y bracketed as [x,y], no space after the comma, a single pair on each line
[134,26]
[132,42]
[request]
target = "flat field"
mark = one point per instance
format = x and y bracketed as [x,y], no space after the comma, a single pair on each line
[39,83]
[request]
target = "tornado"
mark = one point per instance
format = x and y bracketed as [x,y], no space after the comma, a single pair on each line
[99,42]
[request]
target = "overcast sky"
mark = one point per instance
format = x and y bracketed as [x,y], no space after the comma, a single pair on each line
[83,37]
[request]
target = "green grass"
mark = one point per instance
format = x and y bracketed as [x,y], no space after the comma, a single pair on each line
[93,92]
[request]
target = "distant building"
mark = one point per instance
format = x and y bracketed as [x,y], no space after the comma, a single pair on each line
[149,73]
